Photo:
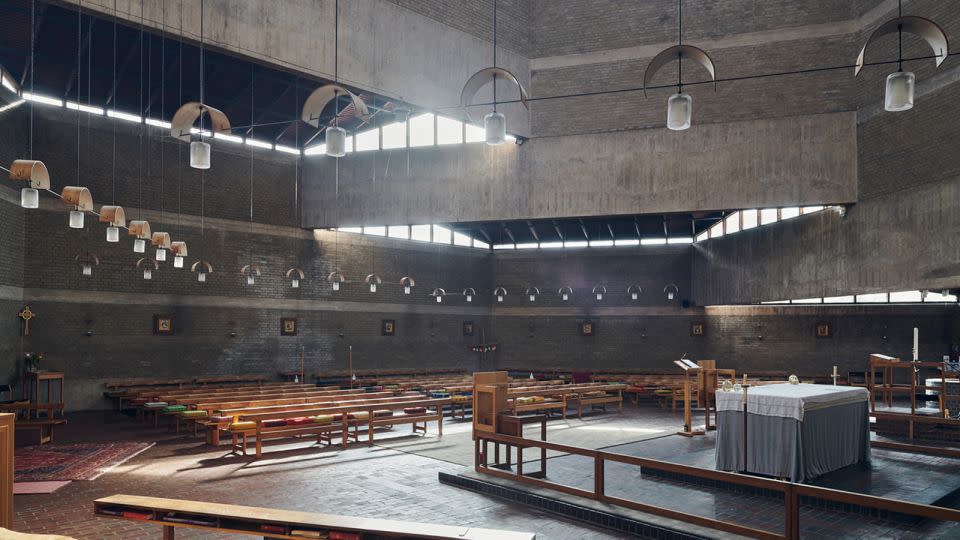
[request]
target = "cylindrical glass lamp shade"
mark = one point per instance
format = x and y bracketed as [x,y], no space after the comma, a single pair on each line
[147,273]
[336,285]
[599,296]
[670,295]
[178,262]
[633,296]
[202,277]
[406,289]
[533,298]
[565,297]
[29,198]
[76,219]
[295,283]
[113,234]
[679,112]
[251,280]
[373,287]
[439,299]
[200,155]
[139,245]
[495,128]
[499,298]
[469,298]
[161,254]
[336,141]
[87,270]
[899,94]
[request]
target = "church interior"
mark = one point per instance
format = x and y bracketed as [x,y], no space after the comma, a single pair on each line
[488,269]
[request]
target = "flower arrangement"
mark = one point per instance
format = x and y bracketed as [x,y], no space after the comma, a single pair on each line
[32,361]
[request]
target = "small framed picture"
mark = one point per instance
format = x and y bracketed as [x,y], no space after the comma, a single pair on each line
[697,329]
[388,327]
[468,328]
[823,330]
[588,328]
[163,324]
[288,326]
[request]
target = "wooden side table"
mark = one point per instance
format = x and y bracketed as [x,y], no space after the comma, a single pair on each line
[509,424]
[32,380]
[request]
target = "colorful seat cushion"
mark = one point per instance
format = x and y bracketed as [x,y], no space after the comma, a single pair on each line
[461,399]
[524,400]
[663,392]
[360,415]
[221,419]
[338,417]
[239,426]
[155,405]
[299,421]
[275,422]
[382,413]
[323,419]
[595,394]
[194,414]
[439,395]
[414,410]
[175,408]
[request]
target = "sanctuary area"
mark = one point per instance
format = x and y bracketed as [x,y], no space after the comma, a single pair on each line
[477,270]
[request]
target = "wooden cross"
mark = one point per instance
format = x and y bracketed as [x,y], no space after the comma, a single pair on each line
[26,315]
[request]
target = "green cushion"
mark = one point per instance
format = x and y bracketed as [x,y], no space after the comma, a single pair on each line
[175,408]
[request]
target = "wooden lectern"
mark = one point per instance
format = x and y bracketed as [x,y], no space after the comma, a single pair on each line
[489,399]
[690,371]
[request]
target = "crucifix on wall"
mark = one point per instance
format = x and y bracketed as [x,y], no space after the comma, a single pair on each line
[26,315]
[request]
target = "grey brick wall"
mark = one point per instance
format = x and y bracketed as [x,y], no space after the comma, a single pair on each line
[476,18]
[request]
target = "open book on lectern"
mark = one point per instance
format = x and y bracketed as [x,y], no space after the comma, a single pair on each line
[686,363]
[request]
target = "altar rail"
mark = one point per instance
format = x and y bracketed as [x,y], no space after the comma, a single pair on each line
[791,491]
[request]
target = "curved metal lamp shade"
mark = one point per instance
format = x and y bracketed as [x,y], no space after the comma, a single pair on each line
[634,291]
[140,229]
[114,215]
[407,283]
[678,52]
[78,197]
[319,98]
[251,272]
[31,171]
[160,240]
[295,274]
[148,265]
[202,268]
[532,293]
[438,293]
[188,113]
[481,78]
[499,292]
[86,261]
[469,293]
[925,28]
[565,293]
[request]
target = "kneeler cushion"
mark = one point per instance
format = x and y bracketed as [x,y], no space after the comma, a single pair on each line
[220,419]
[338,417]
[194,414]
[414,410]
[360,415]
[299,421]
[382,412]
[461,399]
[276,422]
[323,419]
[155,405]
[243,425]
[175,408]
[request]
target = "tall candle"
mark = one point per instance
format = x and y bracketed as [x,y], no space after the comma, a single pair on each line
[916,344]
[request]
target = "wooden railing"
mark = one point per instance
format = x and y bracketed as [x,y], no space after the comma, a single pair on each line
[791,491]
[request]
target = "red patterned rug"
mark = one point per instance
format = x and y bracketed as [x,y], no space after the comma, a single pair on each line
[71,461]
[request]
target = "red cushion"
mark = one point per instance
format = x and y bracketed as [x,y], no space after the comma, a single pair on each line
[414,410]
[340,535]
[299,421]
[274,423]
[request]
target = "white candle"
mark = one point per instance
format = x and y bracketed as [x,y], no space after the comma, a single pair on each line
[834,371]
[916,344]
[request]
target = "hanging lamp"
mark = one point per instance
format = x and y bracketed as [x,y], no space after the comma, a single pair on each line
[494,123]
[565,293]
[295,274]
[634,291]
[899,86]
[202,268]
[140,230]
[532,293]
[499,293]
[250,272]
[179,250]
[407,283]
[672,291]
[599,291]
[373,280]
[161,240]
[86,261]
[438,293]
[469,293]
[679,105]
[80,199]
[34,172]
[335,279]
[116,218]
[148,266]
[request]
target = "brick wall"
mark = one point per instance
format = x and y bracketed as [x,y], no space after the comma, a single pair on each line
[476,18]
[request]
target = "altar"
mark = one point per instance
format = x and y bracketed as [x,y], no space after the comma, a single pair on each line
[794,431]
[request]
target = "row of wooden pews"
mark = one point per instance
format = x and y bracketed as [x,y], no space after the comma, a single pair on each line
[552,397]
[125,389]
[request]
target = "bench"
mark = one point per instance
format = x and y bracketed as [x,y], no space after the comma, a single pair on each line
[44,426]
[263,427]
[273,523]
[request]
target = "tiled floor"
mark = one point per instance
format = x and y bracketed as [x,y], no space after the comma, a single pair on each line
[361,481]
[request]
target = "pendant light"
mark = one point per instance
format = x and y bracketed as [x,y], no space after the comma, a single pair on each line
[500,293]
[148,266]
[76,215]
[407,283]
[334,135]
[468,294]
[251,271]
[679,105]
[86,261]
[899,86]
[634,291]
[182,122]
[565,293]
[438,293]
[161,240]
[373,280]
[494,123]
[202,268]
[140,230]
[335,279]
[294,275]
[532,293]
[80,200]
[672,291]
[599,291]
[179,250]
[34,172]
[116,218]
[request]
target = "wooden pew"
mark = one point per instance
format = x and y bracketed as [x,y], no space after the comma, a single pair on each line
[262,432]
[273,523]
[559,396]
[43,427]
